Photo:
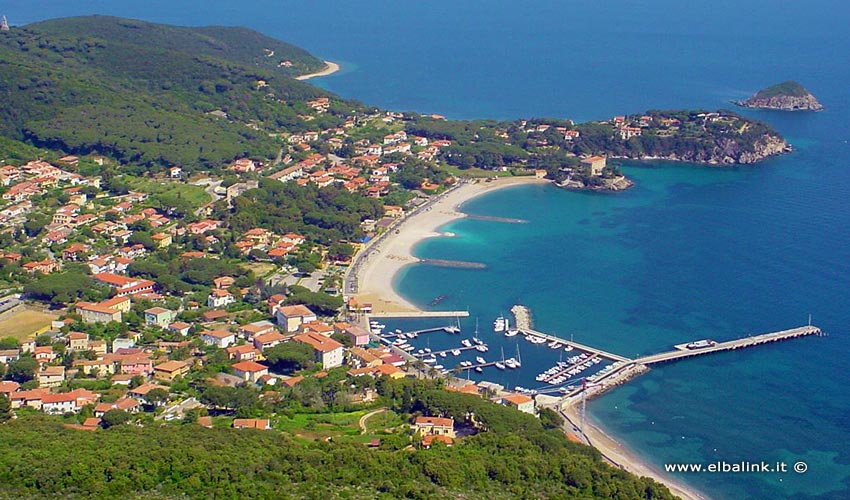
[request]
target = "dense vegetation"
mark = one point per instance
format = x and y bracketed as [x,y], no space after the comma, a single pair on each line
[142,93]
[324,215]
[516,457]
[789,88]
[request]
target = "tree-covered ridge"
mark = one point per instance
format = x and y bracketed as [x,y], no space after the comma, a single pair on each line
[789,88]
[510,455]
[145,103]
[234,44]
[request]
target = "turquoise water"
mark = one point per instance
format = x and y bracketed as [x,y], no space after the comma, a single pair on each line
[689,253]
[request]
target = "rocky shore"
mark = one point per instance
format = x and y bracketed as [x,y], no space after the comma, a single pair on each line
[786,96]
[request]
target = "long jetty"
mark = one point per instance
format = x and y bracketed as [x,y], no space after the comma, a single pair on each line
[682,351]
[420,314]
[593,350]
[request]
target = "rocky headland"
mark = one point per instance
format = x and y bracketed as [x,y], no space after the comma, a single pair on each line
[786,96]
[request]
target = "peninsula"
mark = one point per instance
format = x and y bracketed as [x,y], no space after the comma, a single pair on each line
[785,96]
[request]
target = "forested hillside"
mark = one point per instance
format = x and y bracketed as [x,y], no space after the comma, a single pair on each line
[143,93]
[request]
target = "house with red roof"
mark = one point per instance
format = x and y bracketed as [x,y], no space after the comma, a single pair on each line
[326,350]
[250,371]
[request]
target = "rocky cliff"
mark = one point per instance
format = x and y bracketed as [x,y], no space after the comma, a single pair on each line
[787,96]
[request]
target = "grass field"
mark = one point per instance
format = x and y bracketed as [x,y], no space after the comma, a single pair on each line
[24,323]
[321,426]
[193,194]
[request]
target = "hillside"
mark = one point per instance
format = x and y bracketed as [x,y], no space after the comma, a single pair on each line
[148,103]
[238,45]
[518,456]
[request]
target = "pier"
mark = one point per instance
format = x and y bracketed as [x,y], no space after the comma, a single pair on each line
[576,345]
[419,314]
[393,335]
[447,351]
[681,351]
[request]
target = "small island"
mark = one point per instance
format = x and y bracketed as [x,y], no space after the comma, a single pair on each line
[786,96]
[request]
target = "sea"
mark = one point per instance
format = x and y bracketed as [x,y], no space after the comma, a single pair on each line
[691,252]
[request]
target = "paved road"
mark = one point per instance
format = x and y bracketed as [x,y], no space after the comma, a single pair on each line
[178,410]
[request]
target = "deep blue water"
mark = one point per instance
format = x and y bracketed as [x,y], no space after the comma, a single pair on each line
[690,252]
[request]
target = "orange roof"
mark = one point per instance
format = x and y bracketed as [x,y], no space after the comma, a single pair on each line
[518,399]
[444,422]
[249,366]
[251,423]
[296,310]
[318,342]
[427,440]
[293,381]
[171,366]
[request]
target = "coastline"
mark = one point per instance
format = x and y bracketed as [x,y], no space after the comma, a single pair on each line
[388,257]
[330,68]
[616,454]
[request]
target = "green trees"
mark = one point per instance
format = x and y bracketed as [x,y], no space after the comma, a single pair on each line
[325,215]
[114,417]
[23,370]
[290,356]
[319,302]
[5,408]
[64,287]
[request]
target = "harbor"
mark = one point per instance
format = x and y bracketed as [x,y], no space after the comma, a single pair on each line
[580,372]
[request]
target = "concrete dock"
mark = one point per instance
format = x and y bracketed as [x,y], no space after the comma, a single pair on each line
[731,345]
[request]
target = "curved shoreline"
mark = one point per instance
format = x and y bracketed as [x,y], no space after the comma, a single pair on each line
[330,68]
[388,257]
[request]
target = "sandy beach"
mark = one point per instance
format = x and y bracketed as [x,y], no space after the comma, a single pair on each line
[389,256]
[620,456]
[330,68]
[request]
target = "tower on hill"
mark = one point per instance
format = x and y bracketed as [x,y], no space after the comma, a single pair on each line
[4,24]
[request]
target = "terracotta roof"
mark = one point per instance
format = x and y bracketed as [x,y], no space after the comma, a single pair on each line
[517,399]
[251,423]
[444,422]
[171,366]
[249,366]
[318,342]
[296,310]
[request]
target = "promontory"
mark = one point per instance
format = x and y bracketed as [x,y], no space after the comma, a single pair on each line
[786,96]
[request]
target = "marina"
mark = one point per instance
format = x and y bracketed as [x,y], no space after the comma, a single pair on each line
[586,372]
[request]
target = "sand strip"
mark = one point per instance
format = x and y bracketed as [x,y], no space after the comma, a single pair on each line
[618,455]
[330,68]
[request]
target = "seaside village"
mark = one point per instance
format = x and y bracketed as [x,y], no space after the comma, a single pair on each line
[89,333]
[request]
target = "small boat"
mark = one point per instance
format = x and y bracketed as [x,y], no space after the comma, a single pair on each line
[568,348]
[510,363]
[443,354]
[438,367]
[480,360]
[398,331]
[499,324]
[477,340]
[478,369]
[511,333]
[481,348]
[427,349]
[499,365]
[455,352]
[466,343]
[432,359]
